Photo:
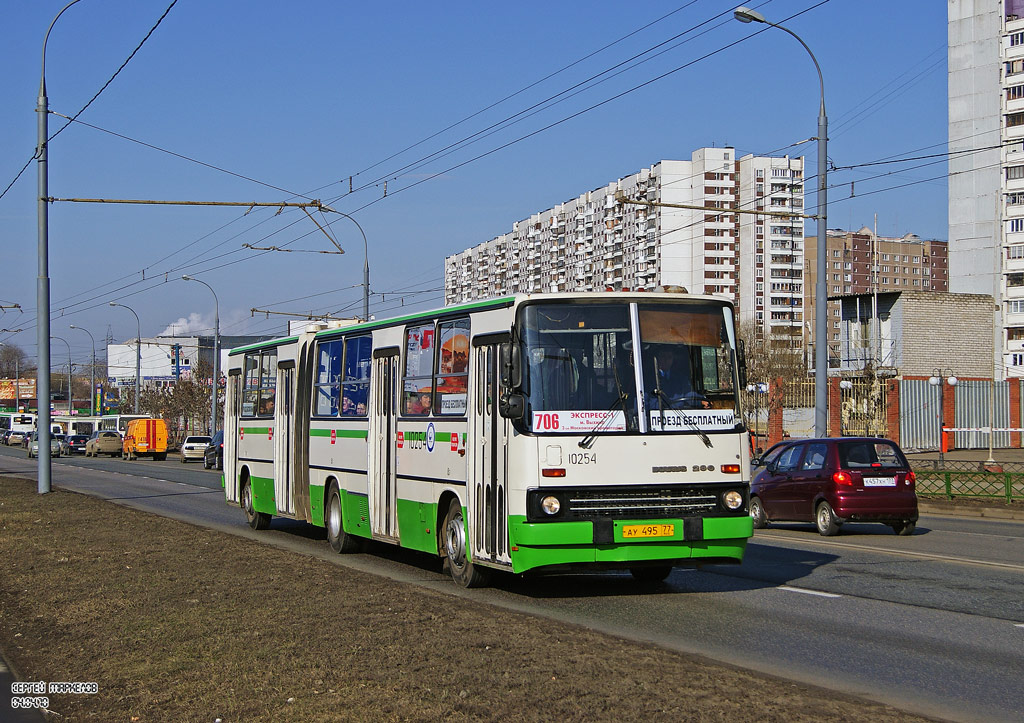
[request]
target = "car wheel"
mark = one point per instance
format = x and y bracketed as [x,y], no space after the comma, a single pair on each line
[650,574]
[825,520]
[904,528]
[206,463]
[757,513]
[256,520]
[341,541]
[453,548]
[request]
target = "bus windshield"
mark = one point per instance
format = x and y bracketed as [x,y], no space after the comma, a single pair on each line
[581,375]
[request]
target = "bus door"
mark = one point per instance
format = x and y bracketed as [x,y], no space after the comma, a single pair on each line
[232,410]
[383,480]
[488,511]
[284,422]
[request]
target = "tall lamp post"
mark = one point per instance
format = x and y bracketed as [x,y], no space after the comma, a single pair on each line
[216,352]
[92,384]
[43,278]
[366,266]
[71,398]
[746,15]
[940,376]
[138,354]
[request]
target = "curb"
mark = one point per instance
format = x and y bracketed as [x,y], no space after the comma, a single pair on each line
[990,513]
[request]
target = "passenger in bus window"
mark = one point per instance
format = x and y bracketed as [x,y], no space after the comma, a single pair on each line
[361,409]
[418,403]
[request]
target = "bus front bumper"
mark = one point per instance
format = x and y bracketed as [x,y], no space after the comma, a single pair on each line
[610,544]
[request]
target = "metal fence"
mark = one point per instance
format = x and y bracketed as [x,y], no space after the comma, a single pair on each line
[863,407]
[951,478]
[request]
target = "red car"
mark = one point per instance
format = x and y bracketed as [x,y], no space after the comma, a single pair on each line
[832,481]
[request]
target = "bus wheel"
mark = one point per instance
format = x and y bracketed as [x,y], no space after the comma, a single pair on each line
[462,569]
[650,574]
[256,520]
[341,541]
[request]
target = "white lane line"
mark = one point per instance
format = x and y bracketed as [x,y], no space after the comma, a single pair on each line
[887,550]
[787,588]
[1019,625]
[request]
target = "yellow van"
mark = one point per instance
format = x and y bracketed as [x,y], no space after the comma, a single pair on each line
[145,437]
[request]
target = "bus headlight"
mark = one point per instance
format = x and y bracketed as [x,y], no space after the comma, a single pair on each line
[733,499]
[550,505]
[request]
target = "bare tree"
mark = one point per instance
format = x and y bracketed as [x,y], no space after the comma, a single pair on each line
[773,361]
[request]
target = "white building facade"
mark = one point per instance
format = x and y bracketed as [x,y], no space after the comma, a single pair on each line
[602,240]
[986,187]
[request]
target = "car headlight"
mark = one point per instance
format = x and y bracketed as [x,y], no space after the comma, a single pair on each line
[550,505]
[733,499]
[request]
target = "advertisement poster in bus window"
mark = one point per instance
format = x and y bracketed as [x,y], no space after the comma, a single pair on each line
[453,368]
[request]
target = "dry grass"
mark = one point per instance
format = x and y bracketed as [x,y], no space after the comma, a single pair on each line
[180,623]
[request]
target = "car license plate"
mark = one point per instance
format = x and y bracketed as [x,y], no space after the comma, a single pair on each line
[634,531]
[879,481]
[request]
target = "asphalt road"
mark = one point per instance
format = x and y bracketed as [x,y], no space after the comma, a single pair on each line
[932,623]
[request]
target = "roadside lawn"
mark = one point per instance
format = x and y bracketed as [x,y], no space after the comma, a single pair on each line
[178,623]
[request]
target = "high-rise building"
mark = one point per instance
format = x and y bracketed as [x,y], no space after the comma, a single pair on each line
[986,165]
[691,235]
[905,263]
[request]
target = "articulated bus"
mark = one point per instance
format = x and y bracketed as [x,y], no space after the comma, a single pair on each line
[533,433]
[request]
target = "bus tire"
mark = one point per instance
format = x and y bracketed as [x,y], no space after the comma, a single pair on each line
[160,456]
[453,547]
[256,520]
[341,541]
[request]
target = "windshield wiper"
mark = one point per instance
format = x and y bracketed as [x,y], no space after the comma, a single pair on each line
[620,402]
[665,402]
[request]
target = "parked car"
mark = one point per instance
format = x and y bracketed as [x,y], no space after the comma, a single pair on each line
[33,448]
[76,443]
[214,454]
[15,439]
[194,448]
[103,441]
[833,481]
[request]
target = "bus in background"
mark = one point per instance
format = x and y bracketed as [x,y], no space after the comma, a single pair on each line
[534,433]
[23,423]
[77,424]
[119,422]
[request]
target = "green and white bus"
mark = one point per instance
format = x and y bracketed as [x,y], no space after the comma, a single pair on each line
[533,433]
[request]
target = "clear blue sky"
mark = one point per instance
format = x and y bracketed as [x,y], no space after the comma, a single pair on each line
[303,96]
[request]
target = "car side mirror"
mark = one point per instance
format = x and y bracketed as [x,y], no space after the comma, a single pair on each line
[756,462]
[741,362]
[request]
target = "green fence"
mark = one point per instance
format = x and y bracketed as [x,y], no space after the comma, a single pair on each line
[1003,486]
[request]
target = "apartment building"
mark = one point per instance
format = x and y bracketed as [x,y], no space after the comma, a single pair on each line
[608,238]
[905,263]
[986,187]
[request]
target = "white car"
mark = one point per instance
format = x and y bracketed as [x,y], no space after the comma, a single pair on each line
[33,446]
[193,448]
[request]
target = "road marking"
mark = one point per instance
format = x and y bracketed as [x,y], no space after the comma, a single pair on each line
[787,588]
[907,553]
[1019,625]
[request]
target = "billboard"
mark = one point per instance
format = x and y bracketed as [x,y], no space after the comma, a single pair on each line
[24,388]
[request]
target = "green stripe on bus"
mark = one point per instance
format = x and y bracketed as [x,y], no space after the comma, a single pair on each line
[417,525]
[256,430]
[349,433]
[498,303]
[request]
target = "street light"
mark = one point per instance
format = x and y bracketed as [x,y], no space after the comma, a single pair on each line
[216,352]
[936,380]
[746,15]
[70,395]
[92,384]
[138,354]
[43,278]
